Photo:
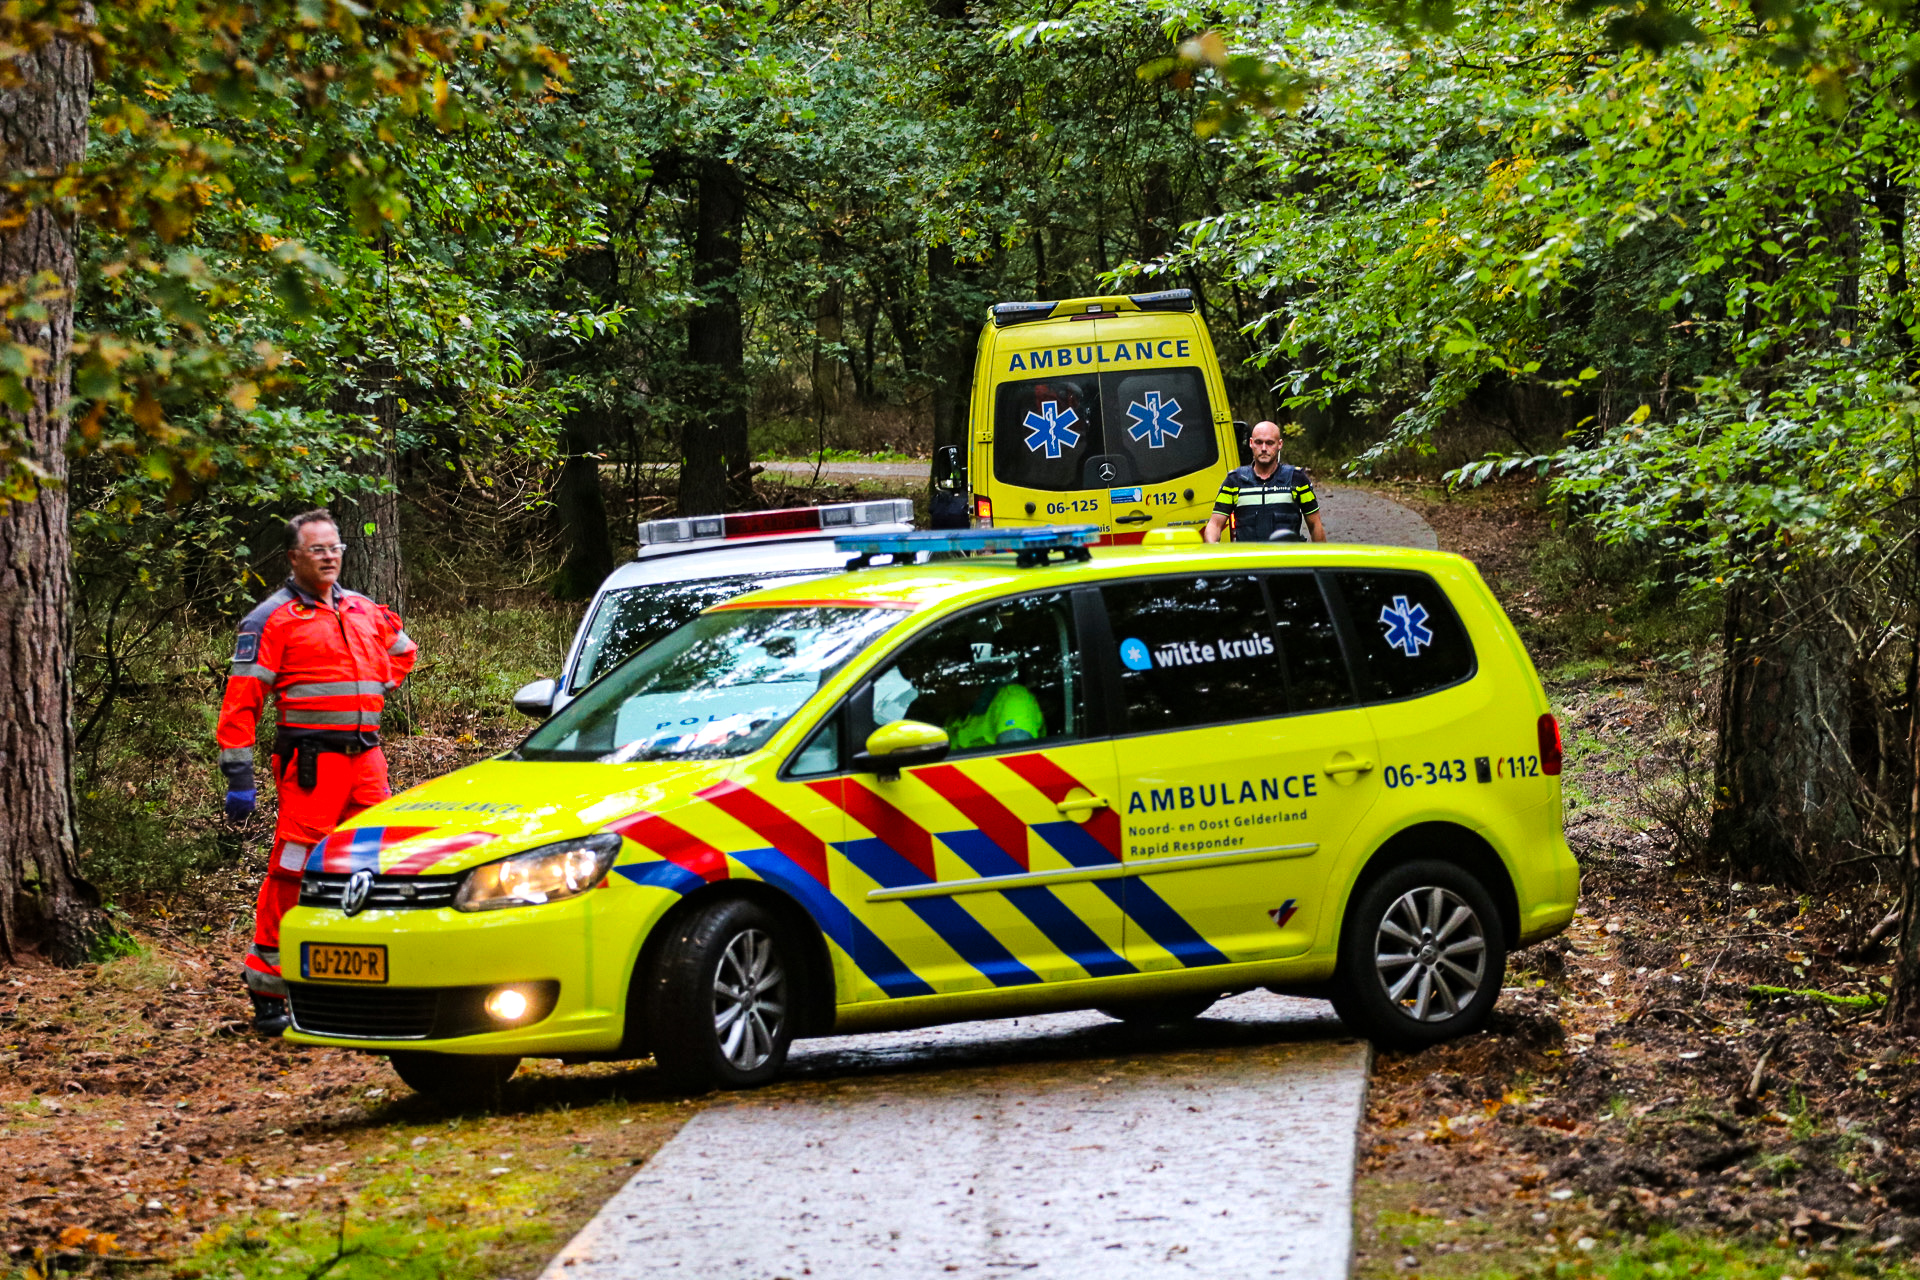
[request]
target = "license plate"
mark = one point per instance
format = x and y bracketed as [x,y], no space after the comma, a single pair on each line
[328,962]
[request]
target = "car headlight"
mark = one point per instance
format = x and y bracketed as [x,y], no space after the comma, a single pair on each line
[546,874]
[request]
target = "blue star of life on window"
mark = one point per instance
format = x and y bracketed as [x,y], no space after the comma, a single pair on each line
[1155,422]
[1407,628]
[1049,429]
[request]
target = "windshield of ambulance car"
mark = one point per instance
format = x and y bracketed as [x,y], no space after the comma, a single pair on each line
[719,686]
[1062,431]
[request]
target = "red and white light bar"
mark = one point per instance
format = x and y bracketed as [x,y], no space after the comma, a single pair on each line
[792,520]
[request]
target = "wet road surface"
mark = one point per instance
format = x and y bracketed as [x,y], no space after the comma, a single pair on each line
[1350,514]
[1065,1145]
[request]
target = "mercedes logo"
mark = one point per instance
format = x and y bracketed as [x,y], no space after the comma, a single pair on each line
[353,898]
[1106,471]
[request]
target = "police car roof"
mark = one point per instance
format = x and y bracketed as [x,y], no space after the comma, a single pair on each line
[988,576]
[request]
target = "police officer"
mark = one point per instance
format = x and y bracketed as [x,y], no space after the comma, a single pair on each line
[329,656]
[1267,497]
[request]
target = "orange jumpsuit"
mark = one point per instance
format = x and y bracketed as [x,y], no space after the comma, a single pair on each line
[330,668]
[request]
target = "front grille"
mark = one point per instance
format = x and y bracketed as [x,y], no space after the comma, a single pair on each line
[406,1013]
[365,1013]
[389,893]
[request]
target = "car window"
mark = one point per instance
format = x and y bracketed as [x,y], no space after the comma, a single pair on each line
[631,618]
[1194,651]
[1045,429]
[1410,641]
[1160,419]
[1309,643]
[1009,674]
[822,752]
[719,686]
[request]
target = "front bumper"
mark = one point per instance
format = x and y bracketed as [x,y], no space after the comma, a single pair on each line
[578,955]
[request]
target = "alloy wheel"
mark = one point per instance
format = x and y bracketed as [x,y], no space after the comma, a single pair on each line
[749,999]
[1431,953]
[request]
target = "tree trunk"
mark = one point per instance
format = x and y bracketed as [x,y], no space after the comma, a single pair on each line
[955,303]
[45,906]
[582,508]
[370,520]
[716,464]
[1784,785]
[1903,1009]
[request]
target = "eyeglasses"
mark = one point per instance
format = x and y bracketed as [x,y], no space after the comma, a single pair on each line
[325,550]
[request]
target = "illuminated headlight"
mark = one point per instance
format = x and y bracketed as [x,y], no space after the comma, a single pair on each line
[508,1004]
[547,874]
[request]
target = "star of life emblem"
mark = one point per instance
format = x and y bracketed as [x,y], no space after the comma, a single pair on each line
[1049,429]
[1154,421]
[1406,625]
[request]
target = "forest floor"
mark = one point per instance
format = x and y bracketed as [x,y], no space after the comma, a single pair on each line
[1692,1081]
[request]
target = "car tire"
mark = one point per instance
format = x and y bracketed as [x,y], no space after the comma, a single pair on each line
[1164,1011]
[722,998]
[1422,957]
[461,1079]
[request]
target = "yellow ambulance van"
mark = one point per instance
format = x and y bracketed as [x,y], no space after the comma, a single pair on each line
[1108,411]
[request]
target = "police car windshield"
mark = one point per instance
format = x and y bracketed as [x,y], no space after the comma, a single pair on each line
[719,686]
[631,618]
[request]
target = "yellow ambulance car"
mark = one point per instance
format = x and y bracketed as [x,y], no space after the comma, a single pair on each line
[1040,777]
[1107,411]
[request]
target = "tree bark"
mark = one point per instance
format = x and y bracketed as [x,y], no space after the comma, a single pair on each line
[370,520]
[1784,785]
[45,905]
[1903,1007]
[582,509]
[716,463]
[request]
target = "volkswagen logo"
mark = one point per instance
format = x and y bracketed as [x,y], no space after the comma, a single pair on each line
[353,898]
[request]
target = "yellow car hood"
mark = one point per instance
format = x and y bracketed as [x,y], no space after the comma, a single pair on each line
[503,807]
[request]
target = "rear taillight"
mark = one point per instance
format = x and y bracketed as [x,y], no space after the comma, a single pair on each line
[1551,755]
[983,511]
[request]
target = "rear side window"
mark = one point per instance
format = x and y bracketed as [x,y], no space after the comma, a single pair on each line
[1194,651]
[1159,419]
[1409,639]
[1309,643]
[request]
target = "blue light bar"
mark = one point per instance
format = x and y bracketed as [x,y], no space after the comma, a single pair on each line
[1032,546]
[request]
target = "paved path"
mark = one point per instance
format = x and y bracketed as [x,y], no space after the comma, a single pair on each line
[1350,514]
[1062,1146]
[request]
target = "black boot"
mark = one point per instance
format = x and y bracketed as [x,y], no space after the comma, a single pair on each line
[270,1014]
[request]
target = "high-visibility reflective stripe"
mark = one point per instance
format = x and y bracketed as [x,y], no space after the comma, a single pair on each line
[264,984]
[333,689]
[236,755]
[301,718]
[402,643]
[269,954]
[1266,498]
[253,671]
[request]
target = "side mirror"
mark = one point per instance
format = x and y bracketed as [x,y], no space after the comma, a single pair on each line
[949,474]
[536,699]
[901,745]
[1240,431]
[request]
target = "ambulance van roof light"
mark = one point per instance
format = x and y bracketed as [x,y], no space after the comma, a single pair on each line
[791,520]
[1031,546]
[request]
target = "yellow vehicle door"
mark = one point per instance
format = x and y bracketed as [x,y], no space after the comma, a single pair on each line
[1244,764]
[1045,443]
[954,865]
[1164,421]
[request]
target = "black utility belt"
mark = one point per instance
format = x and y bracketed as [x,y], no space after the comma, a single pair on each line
[306,748]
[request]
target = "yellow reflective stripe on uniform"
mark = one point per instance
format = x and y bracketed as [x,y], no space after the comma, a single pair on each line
[1266,498]
[332,689]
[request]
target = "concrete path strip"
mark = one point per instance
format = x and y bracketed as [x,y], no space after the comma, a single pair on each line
[1187,1162]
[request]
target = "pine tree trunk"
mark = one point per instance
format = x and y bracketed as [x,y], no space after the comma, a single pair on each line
[1784,784]
[45,906]
[716,464]
[582,508]
[370,519]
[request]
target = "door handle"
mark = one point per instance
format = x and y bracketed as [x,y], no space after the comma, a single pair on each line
[1348,766]
[1085,804]
[1138,517]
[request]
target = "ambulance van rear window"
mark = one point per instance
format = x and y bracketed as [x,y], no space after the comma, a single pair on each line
[1409,639]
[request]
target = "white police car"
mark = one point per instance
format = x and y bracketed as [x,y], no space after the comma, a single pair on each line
[685,565]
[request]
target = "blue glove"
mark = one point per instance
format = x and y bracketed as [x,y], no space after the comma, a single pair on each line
[240,804]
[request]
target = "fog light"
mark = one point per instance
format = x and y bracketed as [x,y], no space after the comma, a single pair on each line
[508,1004]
